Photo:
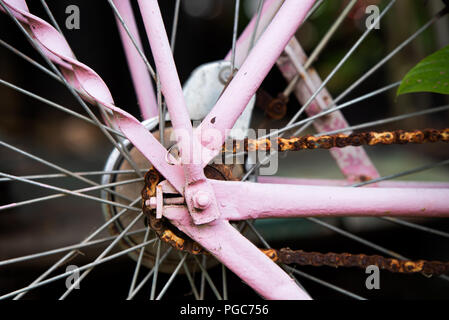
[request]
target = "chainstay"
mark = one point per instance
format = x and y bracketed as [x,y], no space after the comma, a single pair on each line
[309,142]
[180,241]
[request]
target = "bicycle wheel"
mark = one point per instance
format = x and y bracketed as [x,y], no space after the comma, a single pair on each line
[151,272]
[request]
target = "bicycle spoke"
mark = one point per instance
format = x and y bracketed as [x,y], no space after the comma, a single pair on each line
[321,45]
[325,283]
[28,59]
[59,195]
[256,26]
[190,278]
[46,101]
[57,106]
[148,276]
[71,253]
[234,34]
[416,226]
[314,9]
[50,15]
[347,104]
[81,173]
[357,238]
[363,125]
[65,191]
[340,64]
[139,261]
[401,174]
[160,109]
[203,279]
[175,25]
[51,165]
[208,278]
[388,120]
[225,283]
[104,253]
[172,277]
[64,249]
[68,273]
[156,270]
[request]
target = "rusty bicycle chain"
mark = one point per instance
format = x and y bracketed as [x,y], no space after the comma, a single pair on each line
[176,238]
[309,142]
[317,259]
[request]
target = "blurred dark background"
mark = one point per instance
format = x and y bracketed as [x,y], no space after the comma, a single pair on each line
[204,35]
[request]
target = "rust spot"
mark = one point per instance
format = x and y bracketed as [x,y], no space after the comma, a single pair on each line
[364,178]
[213,120]
[271,253]
[174,240]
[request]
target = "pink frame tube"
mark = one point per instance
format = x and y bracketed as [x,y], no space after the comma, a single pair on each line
[251,74]
[139,74]
[243,200]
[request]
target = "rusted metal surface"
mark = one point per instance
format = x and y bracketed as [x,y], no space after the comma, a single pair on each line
[275,108]
[336,260]
[340,140]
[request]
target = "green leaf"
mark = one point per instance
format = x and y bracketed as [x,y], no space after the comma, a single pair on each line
[430,75]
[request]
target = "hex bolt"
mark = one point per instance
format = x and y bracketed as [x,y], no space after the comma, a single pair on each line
[201,200]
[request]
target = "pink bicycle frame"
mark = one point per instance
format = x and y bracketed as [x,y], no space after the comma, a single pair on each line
[222,240]
[231,200]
